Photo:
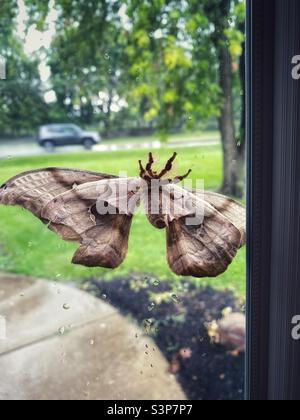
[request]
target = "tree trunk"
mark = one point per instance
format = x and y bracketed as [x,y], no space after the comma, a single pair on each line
[241,149]
[230,185]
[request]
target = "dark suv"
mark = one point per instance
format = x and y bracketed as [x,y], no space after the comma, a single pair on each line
[53,135]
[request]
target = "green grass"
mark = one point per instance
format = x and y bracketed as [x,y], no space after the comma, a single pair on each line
[27,247]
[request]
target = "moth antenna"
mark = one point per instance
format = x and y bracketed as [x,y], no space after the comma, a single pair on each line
[168,166]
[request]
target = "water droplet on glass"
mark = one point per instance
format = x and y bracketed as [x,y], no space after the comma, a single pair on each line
[92,342]
[175,298]
[104,296]
[66,306]
[30,244]
[58,276]
[156,283]
[151,306]
[106,56]
[61,331]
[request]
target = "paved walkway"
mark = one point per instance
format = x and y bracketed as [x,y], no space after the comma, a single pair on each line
[63,344]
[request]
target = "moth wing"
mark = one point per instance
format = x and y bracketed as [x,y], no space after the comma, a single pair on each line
[51,195]
[203,243]
[97,213]
[234,211]
[32,190]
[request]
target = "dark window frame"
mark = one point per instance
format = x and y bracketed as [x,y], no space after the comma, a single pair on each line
[273,129]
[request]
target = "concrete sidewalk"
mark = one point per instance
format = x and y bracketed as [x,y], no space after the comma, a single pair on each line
[64,344]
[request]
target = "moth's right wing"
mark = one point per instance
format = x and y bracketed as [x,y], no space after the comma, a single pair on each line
[234,211]
[201,242]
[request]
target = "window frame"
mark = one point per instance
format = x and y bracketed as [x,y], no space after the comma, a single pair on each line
[273,283]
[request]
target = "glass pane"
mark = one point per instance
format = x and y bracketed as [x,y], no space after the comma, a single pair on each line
[156,322]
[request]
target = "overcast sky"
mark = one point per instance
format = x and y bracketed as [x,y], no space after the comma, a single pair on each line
[34,40]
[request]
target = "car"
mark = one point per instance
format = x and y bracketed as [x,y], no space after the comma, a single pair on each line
[55,135]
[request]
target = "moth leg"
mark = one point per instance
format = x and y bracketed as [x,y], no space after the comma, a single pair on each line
[181,178]
[168,166]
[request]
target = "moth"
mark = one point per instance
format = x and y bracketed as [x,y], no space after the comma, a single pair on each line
[96,210]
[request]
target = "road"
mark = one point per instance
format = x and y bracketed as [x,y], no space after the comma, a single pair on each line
[27,149]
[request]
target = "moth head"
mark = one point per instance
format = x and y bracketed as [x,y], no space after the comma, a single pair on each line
[157,220]
[148,174]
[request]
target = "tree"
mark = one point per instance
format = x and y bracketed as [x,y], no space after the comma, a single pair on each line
[21,91]
[86,58]
[174,81]
[173,62]
[227,17]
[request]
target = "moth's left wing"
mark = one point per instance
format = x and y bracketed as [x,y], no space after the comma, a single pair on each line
[66,201]
[101,215]
[201,246]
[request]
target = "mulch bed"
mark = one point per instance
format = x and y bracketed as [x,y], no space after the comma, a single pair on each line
[205,370]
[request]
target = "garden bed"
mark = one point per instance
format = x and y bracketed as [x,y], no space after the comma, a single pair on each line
[178,323]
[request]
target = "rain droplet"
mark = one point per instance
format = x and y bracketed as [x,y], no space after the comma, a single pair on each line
[104,296]
[66,306]
[92,342]
[156,283]
[106,56]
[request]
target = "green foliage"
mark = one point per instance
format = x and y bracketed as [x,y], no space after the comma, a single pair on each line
[172,67]
[155,62]
[21,92]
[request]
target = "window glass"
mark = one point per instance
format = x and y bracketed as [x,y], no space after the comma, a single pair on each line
[153,305]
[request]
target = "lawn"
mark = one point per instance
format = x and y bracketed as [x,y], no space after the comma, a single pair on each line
[27,247]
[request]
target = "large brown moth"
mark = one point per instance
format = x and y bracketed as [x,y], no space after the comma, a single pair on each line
[96,210]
